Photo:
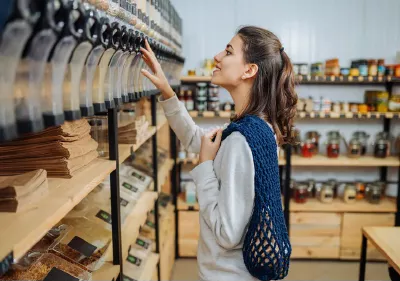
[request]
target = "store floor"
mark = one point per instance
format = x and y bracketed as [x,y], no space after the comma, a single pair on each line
[186,270]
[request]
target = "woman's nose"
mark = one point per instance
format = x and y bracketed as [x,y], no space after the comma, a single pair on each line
[217,57]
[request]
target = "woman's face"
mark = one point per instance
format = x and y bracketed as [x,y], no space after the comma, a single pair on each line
[230,65]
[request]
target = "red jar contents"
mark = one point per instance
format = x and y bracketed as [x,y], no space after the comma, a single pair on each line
[333,149]
[307,149]
[301,193]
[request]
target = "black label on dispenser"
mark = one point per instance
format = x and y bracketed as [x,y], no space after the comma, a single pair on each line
[126,278]
[6,263]
[138,176]
[123,202]
[122,4]
[103,215]
[130,187]
[83,247]
[134,260]
[142,243]
[58,275]
[115,1]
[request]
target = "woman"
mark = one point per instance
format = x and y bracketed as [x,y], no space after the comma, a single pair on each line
[242,231]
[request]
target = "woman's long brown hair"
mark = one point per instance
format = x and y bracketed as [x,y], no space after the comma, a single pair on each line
[272,96]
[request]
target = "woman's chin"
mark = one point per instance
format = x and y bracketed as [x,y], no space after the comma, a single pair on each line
[215,80]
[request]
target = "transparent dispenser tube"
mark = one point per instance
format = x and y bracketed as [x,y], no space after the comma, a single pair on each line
[131,77]
[118,85]
[13,40]
[112,76]
[89,96]
[71,88]
[52,98]
[29,83]
[103,80]
[126,77]
[93,67]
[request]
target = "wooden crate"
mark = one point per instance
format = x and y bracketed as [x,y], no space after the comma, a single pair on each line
[315,235]
[351,234]
[188,230]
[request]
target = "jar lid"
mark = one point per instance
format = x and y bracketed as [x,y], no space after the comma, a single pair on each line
[355,141]
[301,186]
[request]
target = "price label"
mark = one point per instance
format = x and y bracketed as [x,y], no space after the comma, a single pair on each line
[82,246]
[134,260]
[58,275]
[142,243]
[130,187]
[138,176]
[150,223]
[103,215]
[123,202]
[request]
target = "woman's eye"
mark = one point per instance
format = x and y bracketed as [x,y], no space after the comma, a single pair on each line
[228,53]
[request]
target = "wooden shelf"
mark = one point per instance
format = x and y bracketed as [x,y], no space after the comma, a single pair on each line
[163,120]
[344,161]
[195,79]
[164,171]
[133,222]
[150,267]
[188,161]
[305,115]
[107,272]
[21,231]
[125,150]
[317,80]
[337,206]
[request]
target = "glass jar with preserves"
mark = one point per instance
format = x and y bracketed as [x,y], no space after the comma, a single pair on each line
[363,67]
[314,137]
[333,148]
[334,185]
[354,149]
[350,193]
[326,194]
[301,193]
[382,145]
[360,190]
[307,148]
[362,137]
[372,68]
[374,193]
[381,67]
[311,189]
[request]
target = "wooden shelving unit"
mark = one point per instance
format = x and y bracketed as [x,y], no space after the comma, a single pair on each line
[189,161]
[344,161]
[125,150]
[362,206]
[22,230]
[311,79]
[183,206]
[305,115]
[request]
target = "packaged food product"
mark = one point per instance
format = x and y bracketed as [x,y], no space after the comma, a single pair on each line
[138,178]
[50,267]
[144,244]
[84,243]
[349,195]
[326,194]
[301,193]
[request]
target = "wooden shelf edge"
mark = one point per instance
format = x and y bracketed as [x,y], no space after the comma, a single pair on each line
[107,272]
[196,79]
[150,266]
[344,161]
[338,206]
[162,123]
[23,230]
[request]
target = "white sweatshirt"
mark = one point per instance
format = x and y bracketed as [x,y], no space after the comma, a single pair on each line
[225,191]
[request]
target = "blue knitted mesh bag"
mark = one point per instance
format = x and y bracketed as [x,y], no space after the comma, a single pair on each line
[266,247]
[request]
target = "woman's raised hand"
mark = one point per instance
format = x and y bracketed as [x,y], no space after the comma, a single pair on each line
[157,77]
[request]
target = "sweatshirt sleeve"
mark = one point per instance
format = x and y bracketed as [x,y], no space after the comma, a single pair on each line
[182,123]
[226,206]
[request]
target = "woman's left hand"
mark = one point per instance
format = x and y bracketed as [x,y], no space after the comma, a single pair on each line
[210,148]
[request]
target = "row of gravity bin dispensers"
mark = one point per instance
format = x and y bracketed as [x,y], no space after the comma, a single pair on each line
[64,60]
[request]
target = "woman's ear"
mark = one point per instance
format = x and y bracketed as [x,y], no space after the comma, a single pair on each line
[251,71]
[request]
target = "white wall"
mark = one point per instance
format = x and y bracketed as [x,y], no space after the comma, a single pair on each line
[310,31]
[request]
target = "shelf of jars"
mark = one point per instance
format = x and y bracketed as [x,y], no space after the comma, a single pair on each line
[303,115]
[386,205]
[345,161]
[195,161]
[22,230]
[317,79]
